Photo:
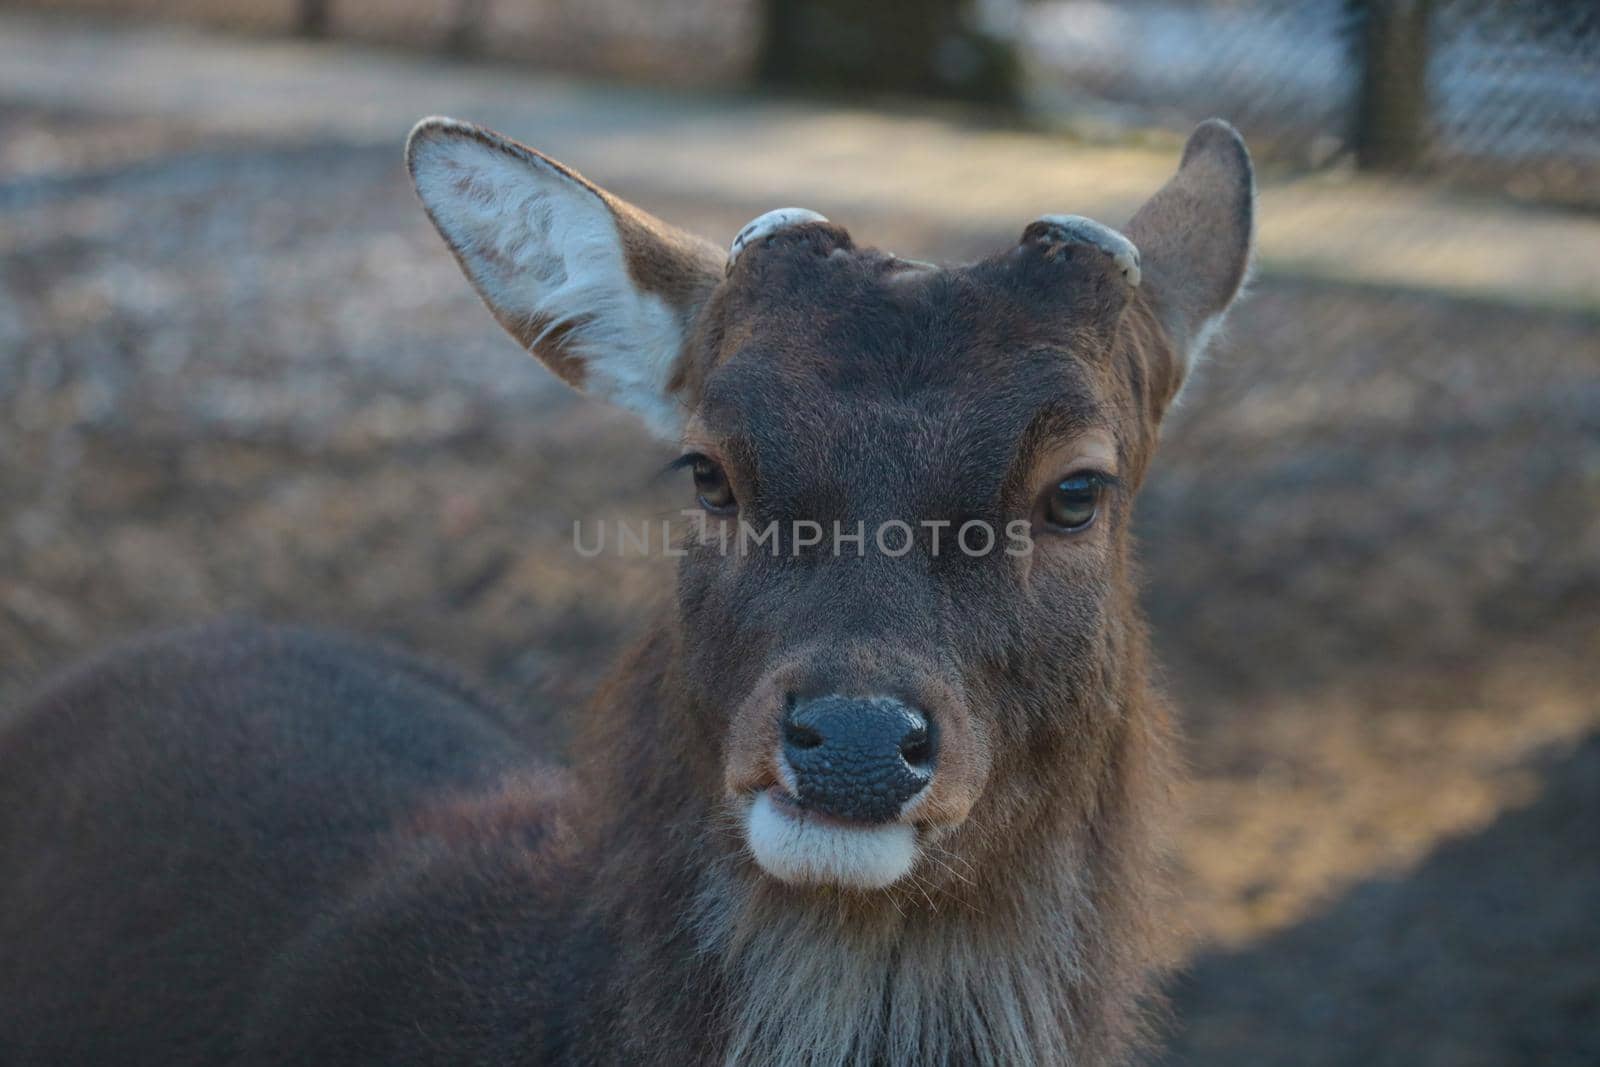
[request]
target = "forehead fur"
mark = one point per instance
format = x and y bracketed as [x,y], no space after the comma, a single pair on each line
[823,324]
[823,358]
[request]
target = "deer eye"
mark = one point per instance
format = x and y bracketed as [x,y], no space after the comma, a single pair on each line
[711,485]
[1074,501]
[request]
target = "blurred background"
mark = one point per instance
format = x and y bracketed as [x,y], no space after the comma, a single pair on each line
[239,373]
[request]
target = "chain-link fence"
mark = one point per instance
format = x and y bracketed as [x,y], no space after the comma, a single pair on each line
[1508,92]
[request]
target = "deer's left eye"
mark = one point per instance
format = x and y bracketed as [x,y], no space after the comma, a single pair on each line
[711,485]
[1074,501]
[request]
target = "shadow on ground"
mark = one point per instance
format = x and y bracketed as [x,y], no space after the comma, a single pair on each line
[1483,955]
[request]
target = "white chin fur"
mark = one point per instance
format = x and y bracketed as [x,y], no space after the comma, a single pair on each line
[806,852]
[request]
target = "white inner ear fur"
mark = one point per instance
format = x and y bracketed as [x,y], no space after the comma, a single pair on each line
[542,247]
[773,221]
[1113,243]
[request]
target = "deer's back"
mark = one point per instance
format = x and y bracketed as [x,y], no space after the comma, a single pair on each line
[183,821]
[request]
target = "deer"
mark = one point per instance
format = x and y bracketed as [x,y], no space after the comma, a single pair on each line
[839,804]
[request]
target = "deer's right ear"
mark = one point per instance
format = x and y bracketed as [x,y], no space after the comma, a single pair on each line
[603,293]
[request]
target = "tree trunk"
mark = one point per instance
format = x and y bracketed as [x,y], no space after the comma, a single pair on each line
[466,34]
[919,47]
[311,17]
[1391,123]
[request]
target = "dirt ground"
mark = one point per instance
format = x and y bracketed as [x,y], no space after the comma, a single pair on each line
[240,374]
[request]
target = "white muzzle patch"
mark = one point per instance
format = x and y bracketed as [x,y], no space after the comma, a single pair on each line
[805,851]
[764,225]
[1122,251]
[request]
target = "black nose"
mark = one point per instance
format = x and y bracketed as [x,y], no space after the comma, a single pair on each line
[858,759]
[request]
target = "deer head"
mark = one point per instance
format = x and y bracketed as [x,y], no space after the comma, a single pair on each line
[909,618]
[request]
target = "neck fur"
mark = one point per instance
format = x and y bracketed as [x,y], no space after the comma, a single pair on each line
[842,980]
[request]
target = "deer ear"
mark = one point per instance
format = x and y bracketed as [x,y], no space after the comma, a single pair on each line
[1195,238]
[601,292]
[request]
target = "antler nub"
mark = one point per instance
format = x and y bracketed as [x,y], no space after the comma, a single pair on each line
[761,226]
[1119,248]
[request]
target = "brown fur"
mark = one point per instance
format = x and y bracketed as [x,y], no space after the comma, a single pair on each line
[442,899]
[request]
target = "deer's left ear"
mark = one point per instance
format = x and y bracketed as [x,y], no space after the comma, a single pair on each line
[1195,239]
[601,292]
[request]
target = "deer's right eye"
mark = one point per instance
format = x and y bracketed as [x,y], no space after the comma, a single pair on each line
[711,486]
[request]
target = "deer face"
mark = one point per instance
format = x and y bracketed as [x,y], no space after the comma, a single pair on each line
[906,609]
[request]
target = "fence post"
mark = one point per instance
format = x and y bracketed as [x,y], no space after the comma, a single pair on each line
[1391,53]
